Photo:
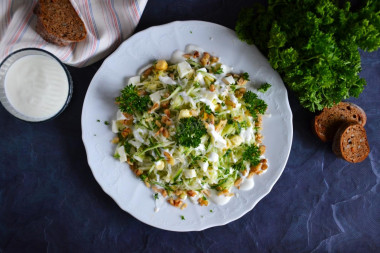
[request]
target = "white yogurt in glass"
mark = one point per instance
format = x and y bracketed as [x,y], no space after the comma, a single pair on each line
[36,86]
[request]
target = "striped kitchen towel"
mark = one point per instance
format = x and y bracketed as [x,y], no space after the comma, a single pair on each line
[108,23]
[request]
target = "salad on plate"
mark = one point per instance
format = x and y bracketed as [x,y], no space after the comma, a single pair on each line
[189,128]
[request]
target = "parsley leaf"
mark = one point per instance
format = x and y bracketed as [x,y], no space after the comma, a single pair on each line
[245,76]
[254,105]
[252,154]
[129,101]
[208,109]
[189,132]
[263,88]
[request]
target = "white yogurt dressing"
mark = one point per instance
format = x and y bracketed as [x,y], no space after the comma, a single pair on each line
[36,86]
[158,203]
[247,184]
[219,199]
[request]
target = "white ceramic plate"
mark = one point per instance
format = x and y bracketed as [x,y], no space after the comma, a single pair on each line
[159,42]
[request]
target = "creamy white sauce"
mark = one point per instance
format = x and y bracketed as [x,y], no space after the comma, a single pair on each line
[177,57]
[247,134]
[203,165]
[36,86]
[191,48]
[219,199]
[158,203]
[213,157]
[247,184]
[201,148]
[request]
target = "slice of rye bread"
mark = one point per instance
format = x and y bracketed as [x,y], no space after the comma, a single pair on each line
[329,120]
[351,143]
[58,22]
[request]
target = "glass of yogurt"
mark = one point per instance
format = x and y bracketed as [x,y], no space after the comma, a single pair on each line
[34,85]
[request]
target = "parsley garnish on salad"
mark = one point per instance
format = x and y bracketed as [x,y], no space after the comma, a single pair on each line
[264,87]
[255,105]
[129,101]
[190,131]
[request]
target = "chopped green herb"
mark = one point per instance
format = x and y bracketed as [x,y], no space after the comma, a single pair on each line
[98,120]
[190,131]
[239,166]
[252,154]
[245,76]
[211,211]
[204,198]
[127,147]
[217,70]
[254,104]
[208,109]
[129,101]
[182,217]
[263,88]
[143,177]
[233,87]
[228,152]
[156,196]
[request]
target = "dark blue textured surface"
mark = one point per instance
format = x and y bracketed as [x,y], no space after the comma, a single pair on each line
[49,200]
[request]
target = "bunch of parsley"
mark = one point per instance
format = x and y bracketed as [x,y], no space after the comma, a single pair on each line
[313,44]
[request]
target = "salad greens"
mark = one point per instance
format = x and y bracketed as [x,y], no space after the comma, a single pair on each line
[313,44]
[189,127]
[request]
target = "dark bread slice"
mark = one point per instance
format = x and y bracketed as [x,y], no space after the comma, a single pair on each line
[351,143]
[58,22]
[329,120]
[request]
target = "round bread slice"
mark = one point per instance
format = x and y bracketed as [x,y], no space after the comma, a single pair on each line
[58,22]
[329,120]
[350,142]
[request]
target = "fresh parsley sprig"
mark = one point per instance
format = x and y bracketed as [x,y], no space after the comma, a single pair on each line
[130,102]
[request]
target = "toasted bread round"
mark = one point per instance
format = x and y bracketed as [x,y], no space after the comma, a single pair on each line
[58,22]
[329,120]
[351,143]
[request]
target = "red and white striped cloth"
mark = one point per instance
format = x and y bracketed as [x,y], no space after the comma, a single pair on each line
[108,23]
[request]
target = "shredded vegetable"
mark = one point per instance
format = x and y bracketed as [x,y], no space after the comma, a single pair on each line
[189,127]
